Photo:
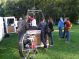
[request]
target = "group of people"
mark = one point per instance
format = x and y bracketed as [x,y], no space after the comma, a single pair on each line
[45,27]
[30,23]
[66,24]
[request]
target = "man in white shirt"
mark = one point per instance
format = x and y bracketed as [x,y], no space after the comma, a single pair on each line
[33,22]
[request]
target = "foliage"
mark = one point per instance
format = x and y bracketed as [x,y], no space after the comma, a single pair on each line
[1,10]
[54,8]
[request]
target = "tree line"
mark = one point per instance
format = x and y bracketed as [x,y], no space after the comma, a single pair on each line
[53,8]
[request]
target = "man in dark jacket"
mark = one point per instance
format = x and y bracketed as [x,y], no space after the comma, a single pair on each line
[22,27]
[43,27]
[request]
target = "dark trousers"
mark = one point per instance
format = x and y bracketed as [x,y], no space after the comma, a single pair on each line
[43,39]
[20,34]
[64,33]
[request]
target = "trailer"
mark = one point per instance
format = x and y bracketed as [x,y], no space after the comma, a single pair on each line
[32,34]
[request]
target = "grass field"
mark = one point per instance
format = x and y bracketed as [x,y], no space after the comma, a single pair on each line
[61,50]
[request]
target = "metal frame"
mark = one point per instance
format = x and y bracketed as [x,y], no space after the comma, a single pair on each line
[35,11]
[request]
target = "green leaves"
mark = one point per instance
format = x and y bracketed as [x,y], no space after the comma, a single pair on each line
[54,8]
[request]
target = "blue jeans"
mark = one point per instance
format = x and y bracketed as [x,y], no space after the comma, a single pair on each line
[51,37]
[67,36]
[60,32]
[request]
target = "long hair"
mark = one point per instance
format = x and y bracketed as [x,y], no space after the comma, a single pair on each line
[51,20]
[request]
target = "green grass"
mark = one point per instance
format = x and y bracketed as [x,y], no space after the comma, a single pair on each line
[61,50]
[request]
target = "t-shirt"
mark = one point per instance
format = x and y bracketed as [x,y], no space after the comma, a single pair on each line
[33,23]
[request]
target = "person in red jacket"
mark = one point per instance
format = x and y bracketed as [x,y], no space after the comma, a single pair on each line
[68,26]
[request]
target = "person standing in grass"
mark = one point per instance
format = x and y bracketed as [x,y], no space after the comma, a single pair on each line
[68,26]
[50,30]
[43,27]
[60,27]
[22,27]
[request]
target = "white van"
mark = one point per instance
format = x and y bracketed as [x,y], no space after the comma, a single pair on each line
[10,24]
[1,28]
[7,25]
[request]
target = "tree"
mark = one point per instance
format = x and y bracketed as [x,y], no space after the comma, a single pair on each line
[1,10]
[54,8]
